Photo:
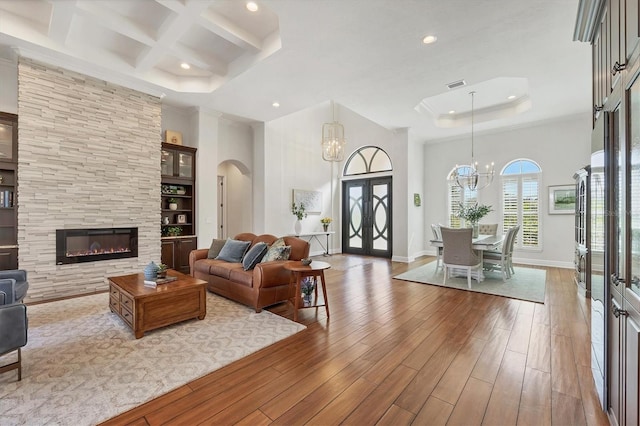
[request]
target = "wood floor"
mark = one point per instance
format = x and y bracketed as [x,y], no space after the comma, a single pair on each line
[400,353]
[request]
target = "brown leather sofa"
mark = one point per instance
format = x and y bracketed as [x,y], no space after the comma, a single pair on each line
[266,284]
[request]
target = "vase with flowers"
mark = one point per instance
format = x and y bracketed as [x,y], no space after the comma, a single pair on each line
[299,212]
[307,286]
[325,221]
[472,215]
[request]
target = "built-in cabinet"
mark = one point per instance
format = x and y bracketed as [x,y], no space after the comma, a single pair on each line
[615,208]
[8,191]
[178,201]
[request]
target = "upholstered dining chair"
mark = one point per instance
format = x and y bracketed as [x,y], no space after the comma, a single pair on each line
[488,228]
[437,236]
[458,253]
[502,259]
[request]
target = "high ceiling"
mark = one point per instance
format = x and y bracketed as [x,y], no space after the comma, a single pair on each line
[367,55]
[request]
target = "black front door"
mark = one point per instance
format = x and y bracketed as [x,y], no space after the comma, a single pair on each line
[367,217]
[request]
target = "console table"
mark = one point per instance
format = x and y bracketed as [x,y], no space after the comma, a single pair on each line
[315,235]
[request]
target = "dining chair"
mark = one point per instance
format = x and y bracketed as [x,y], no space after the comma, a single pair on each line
[502,259]
[488,228]
[437,236]
[458,253]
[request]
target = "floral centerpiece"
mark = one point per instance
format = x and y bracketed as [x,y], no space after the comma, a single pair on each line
[325,221]
[472,214]
[307,285]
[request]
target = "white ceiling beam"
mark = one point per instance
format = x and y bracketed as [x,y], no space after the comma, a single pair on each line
[62,13]
[169,33]
[226,29]
[200,60]
[107,18]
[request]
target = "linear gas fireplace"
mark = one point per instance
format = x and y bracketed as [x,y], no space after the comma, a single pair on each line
[90,245]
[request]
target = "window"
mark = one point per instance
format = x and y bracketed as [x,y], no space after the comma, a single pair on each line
[521,201]
[368,159]
[457,196]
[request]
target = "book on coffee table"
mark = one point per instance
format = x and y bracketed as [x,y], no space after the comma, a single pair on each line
[153,283]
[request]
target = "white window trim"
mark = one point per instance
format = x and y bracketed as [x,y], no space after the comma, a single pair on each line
[520,178]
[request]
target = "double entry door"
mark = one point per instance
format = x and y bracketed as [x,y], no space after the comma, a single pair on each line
[366,215]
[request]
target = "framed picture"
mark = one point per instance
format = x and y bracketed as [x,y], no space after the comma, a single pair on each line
[562,199]
[182,218]
[312,200]
[171,136]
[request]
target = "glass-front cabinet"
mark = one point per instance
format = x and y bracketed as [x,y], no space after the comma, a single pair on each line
[177,161]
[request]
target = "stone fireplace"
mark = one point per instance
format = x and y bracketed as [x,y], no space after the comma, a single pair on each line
[91,245]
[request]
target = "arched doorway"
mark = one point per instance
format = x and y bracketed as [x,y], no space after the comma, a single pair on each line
[366,203]
[234,189]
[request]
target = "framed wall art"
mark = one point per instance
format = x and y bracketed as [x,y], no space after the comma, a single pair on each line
[312,200]
[562,199]
[182,218]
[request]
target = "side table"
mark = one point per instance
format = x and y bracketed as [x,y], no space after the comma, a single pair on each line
[300,271]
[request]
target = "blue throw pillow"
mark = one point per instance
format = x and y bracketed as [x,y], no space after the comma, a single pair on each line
[233,250]
[254,256]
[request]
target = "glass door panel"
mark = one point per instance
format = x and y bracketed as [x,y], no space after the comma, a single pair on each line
[355,206]
[166,163]
[634,185]
[185,165]
[381,217]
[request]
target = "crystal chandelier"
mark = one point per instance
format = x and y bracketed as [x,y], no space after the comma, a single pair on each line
[333,142]
[469,176]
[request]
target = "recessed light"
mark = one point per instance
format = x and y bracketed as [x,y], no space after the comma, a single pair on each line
[511,97]
[252,6]
[429,39]
[185,66]
[452,112]
[276,104]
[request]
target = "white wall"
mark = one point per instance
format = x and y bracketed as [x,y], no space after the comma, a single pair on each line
[8,86]
[560,147]
[293,160]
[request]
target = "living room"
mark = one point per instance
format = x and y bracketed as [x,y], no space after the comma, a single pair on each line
[101,166]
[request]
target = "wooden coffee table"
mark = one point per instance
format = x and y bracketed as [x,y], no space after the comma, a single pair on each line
[146,308]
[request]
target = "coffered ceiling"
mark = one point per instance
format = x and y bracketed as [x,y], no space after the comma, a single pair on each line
[367,55]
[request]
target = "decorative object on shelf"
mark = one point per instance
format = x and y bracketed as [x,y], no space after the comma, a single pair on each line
[165,220]
[171,136]
[173,203]
[473,214]
[333,142]
[173,231]
[306,261]
[173,189]
[182,218]
[162,270]
[325,223]
[150,271]
[468,176]
[307,285]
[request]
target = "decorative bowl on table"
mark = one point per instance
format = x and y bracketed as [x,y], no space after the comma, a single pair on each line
[306,261]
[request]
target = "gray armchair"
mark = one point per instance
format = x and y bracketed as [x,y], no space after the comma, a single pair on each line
[13,316]
[13,286]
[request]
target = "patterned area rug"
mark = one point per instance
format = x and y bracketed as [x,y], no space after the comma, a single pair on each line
[525,284]
[82,365]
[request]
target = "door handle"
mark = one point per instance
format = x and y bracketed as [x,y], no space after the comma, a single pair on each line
[618,312]
[616,280]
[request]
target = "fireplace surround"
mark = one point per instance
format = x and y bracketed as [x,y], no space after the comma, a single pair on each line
[95,244]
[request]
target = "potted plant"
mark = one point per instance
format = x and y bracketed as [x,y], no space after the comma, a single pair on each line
[173,203]
[300,213]
[173,231]
[325,223]
[473,214]
[162,270]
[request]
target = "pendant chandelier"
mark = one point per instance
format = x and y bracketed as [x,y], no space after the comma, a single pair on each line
[469,176]
[333,142]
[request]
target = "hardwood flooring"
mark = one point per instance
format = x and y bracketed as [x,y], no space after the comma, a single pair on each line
[402,353]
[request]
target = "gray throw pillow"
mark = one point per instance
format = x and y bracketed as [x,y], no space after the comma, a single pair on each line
[254,256]
[233,250]
[216,246]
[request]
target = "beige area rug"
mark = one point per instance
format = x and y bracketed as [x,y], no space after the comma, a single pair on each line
[82,365]
[526,284]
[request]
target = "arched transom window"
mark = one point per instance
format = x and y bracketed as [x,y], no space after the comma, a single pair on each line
[368,159]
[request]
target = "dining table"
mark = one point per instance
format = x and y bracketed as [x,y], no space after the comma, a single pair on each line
[480,243]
